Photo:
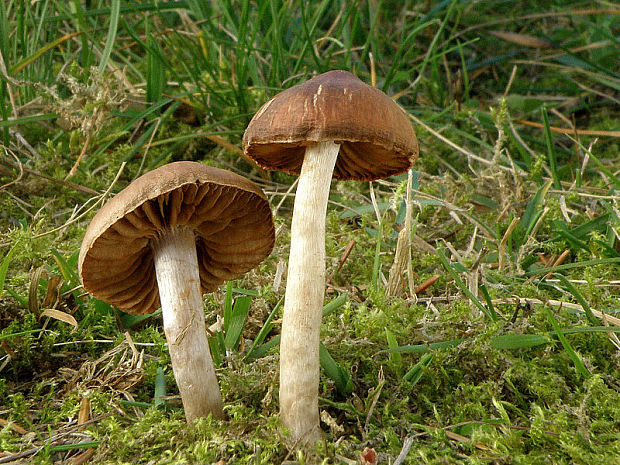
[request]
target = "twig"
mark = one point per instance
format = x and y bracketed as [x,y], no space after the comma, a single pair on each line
[80,216]
[286,194]
[585,12]
[527,300]
[375,398]
[583,132]
[77,187]
[20,167]
[426,284]
[102,341]
[51,440]
[79,158]
[29,148]
[148,146]
[453,145]
[404,451]
[233,148]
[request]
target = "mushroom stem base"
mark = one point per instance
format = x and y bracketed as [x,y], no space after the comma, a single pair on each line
[176,265]
[305,289]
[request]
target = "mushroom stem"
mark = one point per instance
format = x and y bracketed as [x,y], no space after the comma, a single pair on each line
[305,288]
[176,265]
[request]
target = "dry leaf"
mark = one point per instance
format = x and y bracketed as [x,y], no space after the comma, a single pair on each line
[331,422]
[33,298]
[368,456]
[62,316]
[83,457]
[84,413]
[52,296]
[14,426]
[522,39]
[461,438]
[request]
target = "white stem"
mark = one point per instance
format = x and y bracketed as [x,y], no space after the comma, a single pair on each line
[176,265]
[305,288]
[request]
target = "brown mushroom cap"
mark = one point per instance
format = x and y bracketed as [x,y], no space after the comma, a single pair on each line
[229,214]
[376,136]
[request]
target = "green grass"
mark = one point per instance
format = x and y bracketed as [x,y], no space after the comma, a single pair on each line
[484,366]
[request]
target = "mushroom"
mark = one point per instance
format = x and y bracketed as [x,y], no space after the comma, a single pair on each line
[169,236]
[332,125]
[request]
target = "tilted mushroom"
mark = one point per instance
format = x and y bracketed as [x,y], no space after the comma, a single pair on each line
[333,124]
[169,236]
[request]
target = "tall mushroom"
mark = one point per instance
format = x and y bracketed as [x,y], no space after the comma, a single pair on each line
[171,235]
[332,125]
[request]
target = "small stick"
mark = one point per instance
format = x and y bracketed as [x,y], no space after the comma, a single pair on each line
[233,148]
[583,132]
[404,451]
[100,199]
[79,158]
[343,258]
[561,258]
[19,176]
[72,185]
[83,457]
[426,284]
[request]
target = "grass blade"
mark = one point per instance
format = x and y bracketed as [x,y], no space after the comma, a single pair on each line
[335,304]
[568,266]
[553,164]
[581,368]
[457,280]
[264,331]
[262,349]
[396,358]
[4,267]
[240,312]
[160,388]
[489,302]
[29,59]
[7,123]
[67,268]
[335,372]
[216,347]
[413,376]
[79,445]
[424,348]
[579,298]
[155,75]
[531,215]
[376,262]
[228,305]
[518,341]
[114,14]
[129,320]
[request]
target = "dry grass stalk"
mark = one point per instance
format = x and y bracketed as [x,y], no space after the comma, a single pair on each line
[504,241]
[118,370]
[20,167]
[402,257]
[83,457]
[527,300]
[101,198]
[582,132]
[84,412]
